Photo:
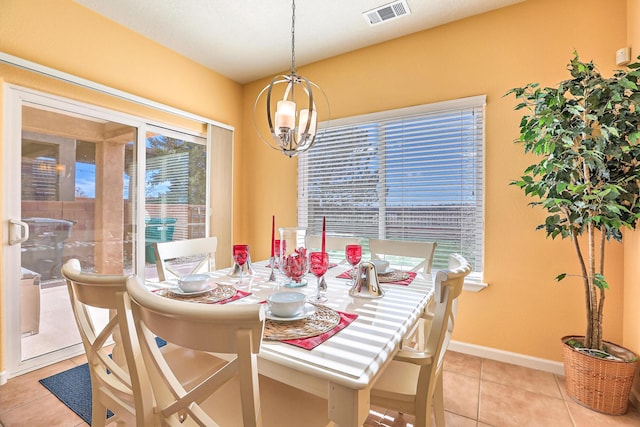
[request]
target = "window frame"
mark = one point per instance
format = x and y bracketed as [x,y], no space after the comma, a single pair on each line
[474,281]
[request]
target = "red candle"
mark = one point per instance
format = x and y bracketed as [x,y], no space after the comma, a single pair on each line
[273,228]
[324,232]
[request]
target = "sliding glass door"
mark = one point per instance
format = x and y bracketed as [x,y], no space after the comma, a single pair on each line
[175,190]
[69,198]
[70,191]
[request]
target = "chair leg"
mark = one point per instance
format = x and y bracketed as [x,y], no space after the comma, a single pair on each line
[424,414]
[424,410]
[438,401]
[98,413]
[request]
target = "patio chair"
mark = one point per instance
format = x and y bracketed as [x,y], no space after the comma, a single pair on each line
[204,248]
[412,382]
[234,395]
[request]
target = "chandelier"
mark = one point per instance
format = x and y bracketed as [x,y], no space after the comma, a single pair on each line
[294,121]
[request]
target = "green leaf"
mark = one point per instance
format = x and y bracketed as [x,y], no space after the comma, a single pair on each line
[628,84]
[559,277]
[600,282]
[575,344]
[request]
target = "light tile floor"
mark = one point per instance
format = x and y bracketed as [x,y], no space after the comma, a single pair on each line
[478,393]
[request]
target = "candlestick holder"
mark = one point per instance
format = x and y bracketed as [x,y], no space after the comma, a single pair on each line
[272,263]
[293,262]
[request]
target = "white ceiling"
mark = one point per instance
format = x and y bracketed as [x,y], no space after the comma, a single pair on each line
[250,39]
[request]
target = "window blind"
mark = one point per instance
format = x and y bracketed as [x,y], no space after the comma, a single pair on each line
[409,174]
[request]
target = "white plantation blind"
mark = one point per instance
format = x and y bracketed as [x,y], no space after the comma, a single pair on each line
[409,174]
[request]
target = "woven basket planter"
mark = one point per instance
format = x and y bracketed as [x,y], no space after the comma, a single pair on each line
[599,384]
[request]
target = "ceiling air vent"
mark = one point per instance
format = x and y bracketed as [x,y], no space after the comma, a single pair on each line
[387,12]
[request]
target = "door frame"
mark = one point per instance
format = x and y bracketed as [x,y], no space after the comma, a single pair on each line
[14,97]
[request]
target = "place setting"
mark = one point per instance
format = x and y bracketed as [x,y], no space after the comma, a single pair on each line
[292,319]
[292,316]
[198,288]
[385,273]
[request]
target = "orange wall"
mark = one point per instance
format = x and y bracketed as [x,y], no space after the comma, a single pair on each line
[631,319]
[68,37]
[631,338]
[65,36]
[523,310]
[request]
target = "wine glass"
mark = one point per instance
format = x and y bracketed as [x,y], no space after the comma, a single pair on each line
[353,254]
[318,264]
[240,256]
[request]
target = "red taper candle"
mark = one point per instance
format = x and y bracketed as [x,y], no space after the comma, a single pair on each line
[273,230]
[324,232]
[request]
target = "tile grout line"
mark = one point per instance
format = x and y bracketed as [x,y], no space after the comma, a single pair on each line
[564,400]
[479,392]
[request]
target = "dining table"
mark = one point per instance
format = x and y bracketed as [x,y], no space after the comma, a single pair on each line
[342,365]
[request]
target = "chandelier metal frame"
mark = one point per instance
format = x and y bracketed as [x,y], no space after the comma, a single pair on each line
[285,135]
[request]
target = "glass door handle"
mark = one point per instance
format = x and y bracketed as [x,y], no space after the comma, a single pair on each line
[18,231]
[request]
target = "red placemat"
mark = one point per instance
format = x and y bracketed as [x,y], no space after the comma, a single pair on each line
[239,294]
[345,275]
[312,342]
[412,275]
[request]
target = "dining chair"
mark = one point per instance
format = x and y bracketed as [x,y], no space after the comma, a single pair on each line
[419,252]
[333,244]
[204,248]
[418,256]
[111,384]
[116,379]
[412,382]
[234,395]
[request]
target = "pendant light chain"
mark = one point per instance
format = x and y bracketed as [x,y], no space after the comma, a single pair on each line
[293,37]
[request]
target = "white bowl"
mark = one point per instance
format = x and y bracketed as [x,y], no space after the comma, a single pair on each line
[193,282]
[381,266]
[285,304]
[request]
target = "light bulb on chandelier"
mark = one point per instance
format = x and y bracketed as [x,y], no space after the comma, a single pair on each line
[292,131]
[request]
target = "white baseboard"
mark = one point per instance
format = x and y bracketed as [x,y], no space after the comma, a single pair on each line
[4,377]
[508,357]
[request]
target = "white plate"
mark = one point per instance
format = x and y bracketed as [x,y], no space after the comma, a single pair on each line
[387,271]
[176,290]
[307,311]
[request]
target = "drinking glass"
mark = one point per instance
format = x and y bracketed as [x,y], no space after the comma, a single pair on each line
[240,256]
[276,250]
[318,264]
[353,253]
[294,262]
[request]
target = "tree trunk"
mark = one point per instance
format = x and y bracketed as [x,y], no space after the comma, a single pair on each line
[585,280]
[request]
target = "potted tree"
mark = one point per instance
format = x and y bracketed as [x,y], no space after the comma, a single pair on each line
[586,135]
